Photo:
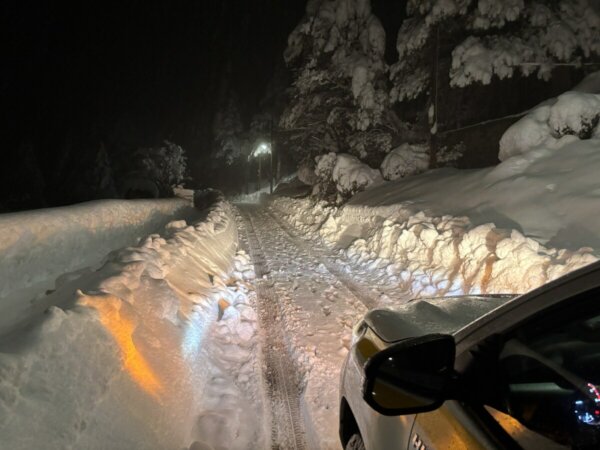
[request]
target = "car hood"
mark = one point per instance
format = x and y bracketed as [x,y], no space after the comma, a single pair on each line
[444,315]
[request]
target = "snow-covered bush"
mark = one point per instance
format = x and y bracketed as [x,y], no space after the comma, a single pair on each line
[575,113]
[572,113]
[350,175]
[344,174]
[325,164]
[306,172]
[371,144]
[405,160]
[447,155]
[166,166]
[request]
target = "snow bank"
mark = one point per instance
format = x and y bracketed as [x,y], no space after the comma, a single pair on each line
[37,246]
[121,358]
[433,255]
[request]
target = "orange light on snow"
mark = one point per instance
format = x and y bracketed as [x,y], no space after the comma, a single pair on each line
[121,329]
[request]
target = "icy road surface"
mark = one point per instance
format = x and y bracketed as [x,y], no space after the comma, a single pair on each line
[308,301]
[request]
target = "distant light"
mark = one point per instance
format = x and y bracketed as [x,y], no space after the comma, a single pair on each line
[264,148]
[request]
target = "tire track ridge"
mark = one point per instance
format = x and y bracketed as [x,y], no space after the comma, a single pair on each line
[358,291]
[287,430]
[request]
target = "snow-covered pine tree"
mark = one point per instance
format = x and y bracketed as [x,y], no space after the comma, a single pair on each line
[259,131]
[339,99]
[166,166]
[490,39]
[227,131]
[529,37]
[101,177]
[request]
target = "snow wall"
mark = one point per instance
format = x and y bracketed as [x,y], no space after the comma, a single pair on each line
[433,255]
[115,360]
[37,246]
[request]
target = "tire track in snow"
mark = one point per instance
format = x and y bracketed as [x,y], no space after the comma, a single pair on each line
[358,291]
[280,373]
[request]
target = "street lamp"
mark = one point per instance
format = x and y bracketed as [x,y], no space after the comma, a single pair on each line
[263,148]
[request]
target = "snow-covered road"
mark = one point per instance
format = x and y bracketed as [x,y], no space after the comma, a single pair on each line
[307,300]
[227,330]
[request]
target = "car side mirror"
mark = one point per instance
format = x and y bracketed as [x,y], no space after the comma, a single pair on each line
[413,376]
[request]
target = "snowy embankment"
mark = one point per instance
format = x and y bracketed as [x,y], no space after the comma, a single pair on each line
[434,255]
[38,246]
[508,228]
[149,350]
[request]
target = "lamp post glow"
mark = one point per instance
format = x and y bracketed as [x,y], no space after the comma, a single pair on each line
[262,149]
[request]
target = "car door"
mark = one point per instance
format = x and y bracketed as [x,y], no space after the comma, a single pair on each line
[451,427]
[535,385]
[547,377]
[533,377]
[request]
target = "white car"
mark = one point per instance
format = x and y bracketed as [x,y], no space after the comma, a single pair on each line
[478,372]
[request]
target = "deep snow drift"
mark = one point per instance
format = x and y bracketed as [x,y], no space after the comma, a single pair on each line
[153,349]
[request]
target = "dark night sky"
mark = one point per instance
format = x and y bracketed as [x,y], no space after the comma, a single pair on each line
[94,69]
[132,74]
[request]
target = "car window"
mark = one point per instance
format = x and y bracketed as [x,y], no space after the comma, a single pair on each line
[526,438]
[547,379]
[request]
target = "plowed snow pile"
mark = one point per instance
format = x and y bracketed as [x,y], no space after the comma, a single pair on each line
[508,228]
[152,349]
[38,246]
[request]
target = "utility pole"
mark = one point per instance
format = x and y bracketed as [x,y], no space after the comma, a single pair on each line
[271,157]
[247,174]
[433,102]
[259,171]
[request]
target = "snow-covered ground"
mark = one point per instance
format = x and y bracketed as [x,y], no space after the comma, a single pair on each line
[152,348]
[38,246]
[316,304]
[170,341]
